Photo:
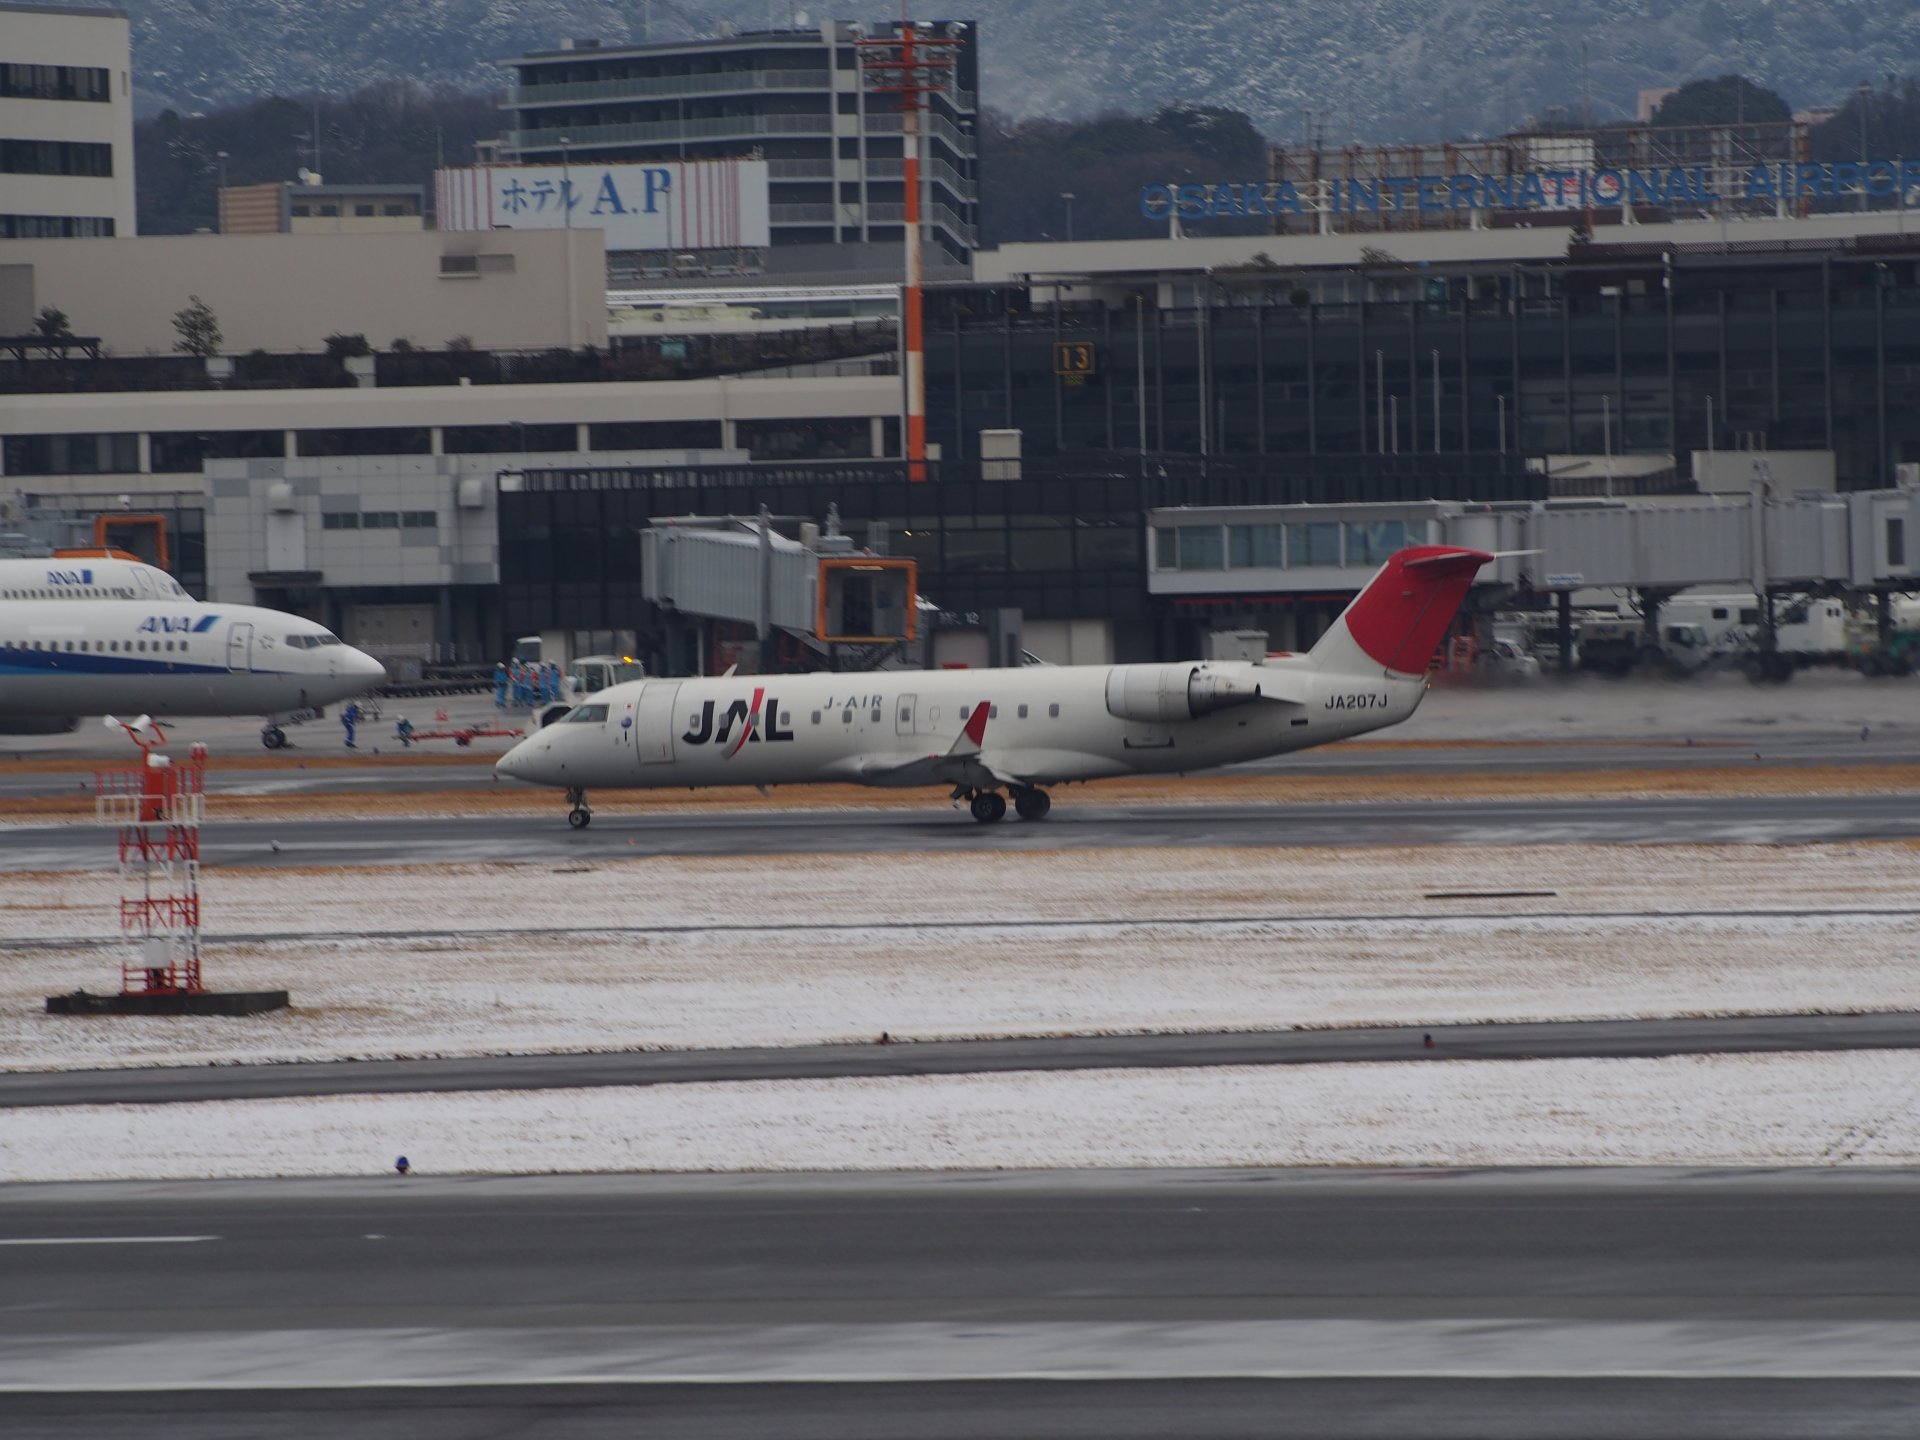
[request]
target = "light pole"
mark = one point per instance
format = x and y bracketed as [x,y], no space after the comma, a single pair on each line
[566,188]
[1067,195]
[1866,96]
[219,199]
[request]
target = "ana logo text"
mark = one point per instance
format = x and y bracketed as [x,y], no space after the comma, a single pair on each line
[176,625]
[69,577]
[1366,700]
[749,714]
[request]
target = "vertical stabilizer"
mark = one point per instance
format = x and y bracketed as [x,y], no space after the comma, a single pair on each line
[1395,623]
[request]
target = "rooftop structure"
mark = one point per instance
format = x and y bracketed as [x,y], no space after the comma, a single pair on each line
[793,98]
[66,122]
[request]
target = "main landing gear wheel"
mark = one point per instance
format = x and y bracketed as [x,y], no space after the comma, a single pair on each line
[1032,804]
[581,815]
[274,738]
[988,806]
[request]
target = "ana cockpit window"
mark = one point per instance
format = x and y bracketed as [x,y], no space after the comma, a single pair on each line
[587,715]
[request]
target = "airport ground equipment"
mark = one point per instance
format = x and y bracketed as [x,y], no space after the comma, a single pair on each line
[461,735]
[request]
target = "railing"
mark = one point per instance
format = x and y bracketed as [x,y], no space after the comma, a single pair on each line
[800,169]
[719,127]
[801,214]
[889,168]
[886,122]
[643,87]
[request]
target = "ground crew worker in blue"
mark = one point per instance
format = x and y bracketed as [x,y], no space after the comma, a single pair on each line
[553,680]
[350,717]
[519,675]
[499,686]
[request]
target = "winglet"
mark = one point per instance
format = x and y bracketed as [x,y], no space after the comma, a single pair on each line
[976,730]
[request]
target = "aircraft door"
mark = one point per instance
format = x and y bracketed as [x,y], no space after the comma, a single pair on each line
[903,715]
[653,723]
[240,646]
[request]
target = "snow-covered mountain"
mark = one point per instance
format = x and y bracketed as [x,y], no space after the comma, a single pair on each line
[1371,70]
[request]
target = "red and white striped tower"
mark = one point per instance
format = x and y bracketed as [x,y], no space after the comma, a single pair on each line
[157,809]
[910,64]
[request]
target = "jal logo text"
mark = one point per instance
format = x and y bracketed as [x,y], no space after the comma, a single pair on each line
[758,719]
[1366,700]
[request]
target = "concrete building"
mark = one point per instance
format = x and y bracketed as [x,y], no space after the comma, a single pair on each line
[793,97]
[519,289]
[284,208]
[66,122]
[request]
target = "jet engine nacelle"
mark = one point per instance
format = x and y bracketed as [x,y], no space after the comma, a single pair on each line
[1159,693]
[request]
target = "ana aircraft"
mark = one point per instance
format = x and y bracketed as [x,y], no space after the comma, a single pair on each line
[103,635]
[981,732]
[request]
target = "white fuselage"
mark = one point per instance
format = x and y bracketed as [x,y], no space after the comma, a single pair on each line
[1048,725]
[169,655]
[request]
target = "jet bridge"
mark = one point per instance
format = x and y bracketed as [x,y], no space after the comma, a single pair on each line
[821,588]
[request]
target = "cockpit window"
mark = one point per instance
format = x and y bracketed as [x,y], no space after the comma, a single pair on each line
[587,715]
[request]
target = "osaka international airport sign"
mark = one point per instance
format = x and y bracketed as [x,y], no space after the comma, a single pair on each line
[672,205]
[1783,184]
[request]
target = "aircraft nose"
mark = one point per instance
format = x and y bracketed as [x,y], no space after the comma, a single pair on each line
[518,763]
[362,666]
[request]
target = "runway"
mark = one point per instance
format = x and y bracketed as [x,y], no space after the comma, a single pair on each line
[1616,1039]
[1535,1304]
[1076,823]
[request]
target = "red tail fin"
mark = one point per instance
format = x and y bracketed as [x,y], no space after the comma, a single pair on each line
[1397,621]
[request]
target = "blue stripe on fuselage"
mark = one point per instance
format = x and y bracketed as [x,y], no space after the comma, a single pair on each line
[47,662]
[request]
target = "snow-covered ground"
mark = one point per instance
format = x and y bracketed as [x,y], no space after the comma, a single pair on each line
[686,952]
[1857,1109]
[698,952]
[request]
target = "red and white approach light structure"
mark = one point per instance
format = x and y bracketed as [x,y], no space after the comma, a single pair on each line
[157,808]
[911,63]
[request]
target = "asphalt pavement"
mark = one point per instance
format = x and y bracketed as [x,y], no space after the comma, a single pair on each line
[1560,1040]
[1078,820]
[1438,1303]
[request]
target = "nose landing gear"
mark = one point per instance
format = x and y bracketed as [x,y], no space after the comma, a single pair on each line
[580,815]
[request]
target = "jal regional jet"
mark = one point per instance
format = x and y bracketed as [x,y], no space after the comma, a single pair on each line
[981,732]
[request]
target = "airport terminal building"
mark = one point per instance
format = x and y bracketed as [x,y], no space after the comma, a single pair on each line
[1074,392]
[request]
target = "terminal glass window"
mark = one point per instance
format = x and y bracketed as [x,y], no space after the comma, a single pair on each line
[1370,543]
[1201,548]
[1255,546]
[1166,549]
[1315,543]
[1896,542]
[71,454]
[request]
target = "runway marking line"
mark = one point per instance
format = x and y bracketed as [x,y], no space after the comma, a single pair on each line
[114,1239]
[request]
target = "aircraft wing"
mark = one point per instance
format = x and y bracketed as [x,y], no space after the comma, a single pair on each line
[963,764]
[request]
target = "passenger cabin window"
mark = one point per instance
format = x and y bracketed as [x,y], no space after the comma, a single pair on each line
[1023,712]
[816,717]
[1053,712]
[588,715]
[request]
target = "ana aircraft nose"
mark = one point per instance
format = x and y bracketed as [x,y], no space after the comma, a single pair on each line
[361,666]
